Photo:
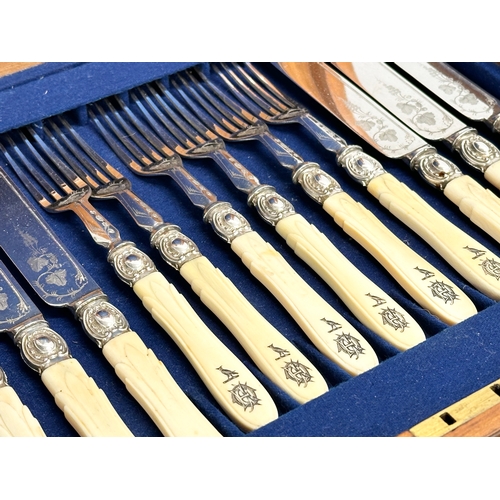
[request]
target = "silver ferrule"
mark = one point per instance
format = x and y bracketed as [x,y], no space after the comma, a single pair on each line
[101,320]
[40,346]
[130,263]
[316,182]
[474,149]
[227,223]
[360,166]
[175,248]
[3,379]
[495,122]
[270,205]
[433,168]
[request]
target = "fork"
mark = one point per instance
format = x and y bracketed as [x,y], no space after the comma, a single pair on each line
[401,261]
[368,302]
[258,94]
[223,298]
[317,319]
[167,306]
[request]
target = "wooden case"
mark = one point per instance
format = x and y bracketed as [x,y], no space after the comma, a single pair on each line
[406,387]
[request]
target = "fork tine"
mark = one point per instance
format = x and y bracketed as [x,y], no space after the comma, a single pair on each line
[173,136]
[258,88]
[75,165]
[266,88]
[190,126]
[210,109]
[85,155]
[254,102]
[146,141]
[34,191]
[233,105]
[137,153]
[63,168]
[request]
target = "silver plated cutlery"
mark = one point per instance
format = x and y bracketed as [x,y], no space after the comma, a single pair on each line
[359,223]
[424,115]
[367,301]
[223,298]
[457,91]
[393,139]
[324,326]
[477,264]
[167,306]
[84,404]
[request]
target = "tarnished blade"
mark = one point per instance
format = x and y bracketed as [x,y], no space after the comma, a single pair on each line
[54,274]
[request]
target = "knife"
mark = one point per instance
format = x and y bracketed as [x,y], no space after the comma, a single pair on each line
[456,90]
[60,281]
[461,94]
[393,139]
[16,419]
[423,115]
[85,406]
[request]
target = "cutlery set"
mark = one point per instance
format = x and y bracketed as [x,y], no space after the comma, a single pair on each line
[189,128]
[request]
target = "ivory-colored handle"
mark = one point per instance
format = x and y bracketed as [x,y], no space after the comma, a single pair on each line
[85,406]
[492,174]
[426,284]
[147,379]
[236,389]
[368,302]
[452,243]
[258,337]
[479,204]
[16,419]
[326,328]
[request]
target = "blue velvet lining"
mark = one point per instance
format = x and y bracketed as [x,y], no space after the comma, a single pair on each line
[52,88]
[404,389]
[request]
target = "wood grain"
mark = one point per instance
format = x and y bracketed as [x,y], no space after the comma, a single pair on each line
[7,68]
[476,415]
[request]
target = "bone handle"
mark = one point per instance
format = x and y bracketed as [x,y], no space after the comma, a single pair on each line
[235,388]
[459,249]
[325,327]
[426,284]
[85,406]
[492,174]
[258,337]
[364,298]
[16,419]
[147,379]
[479,204]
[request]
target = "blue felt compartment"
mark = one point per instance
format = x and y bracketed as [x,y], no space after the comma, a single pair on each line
[404,389]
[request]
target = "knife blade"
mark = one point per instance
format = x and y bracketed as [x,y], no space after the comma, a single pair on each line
[393,139]
[16,419]
[461,94]
[60,281]
[423,115]
[456,90]
[85,406]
